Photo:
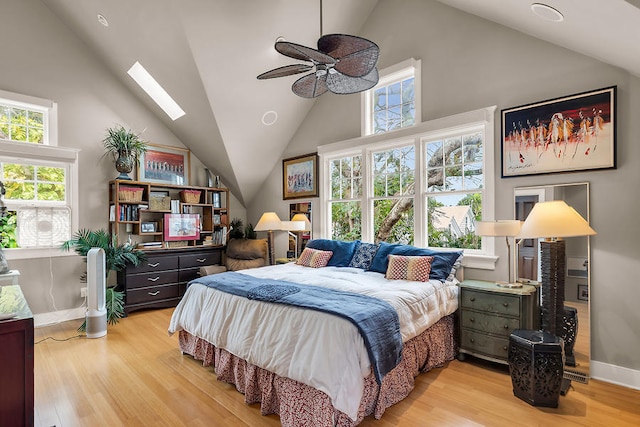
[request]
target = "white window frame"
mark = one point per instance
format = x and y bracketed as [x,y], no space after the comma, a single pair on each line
[390,75]
[47,153]
[477,120]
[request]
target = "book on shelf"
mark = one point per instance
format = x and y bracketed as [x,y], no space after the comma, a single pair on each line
[175,206]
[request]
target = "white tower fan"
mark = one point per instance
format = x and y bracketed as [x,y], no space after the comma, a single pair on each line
[96,315]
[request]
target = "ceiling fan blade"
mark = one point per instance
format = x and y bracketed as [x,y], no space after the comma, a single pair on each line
[305,53]
[287,70]
[310,86]
[342,84]
[355,56]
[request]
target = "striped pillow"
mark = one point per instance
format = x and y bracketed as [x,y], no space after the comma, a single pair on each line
[314,258]
[404,267]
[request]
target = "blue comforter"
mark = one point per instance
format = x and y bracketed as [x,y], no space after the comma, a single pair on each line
[376,320]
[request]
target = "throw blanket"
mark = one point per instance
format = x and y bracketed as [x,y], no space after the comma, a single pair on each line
[375,319]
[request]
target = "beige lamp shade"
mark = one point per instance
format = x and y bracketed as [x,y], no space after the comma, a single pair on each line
[300,217]
[293,225]
[269,221]
[554,219]
[505,227]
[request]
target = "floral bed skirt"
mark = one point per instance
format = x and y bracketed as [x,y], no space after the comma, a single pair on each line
[298,404]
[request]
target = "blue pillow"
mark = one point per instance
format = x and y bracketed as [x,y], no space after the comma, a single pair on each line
[342,251]
[441,265]
[380,260]
[363,256]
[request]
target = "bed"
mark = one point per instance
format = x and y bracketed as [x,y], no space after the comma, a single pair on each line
[324,368]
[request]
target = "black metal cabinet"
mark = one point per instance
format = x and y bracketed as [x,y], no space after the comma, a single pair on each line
[161,280]
[488,315]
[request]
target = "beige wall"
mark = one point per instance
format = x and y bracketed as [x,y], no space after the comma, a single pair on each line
[470,63]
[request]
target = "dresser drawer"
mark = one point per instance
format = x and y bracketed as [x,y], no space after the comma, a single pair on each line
[489,345]
[490,323]
[153,293]
[151,279]
[199,259]
[155,263]
[491,302]
[188,275]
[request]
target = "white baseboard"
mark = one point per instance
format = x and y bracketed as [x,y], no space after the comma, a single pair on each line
[615,374]
[46,319]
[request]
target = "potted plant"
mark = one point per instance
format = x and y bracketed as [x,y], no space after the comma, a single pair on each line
[126,148]
[116,258]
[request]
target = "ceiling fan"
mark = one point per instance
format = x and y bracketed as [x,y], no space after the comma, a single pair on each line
[342,64]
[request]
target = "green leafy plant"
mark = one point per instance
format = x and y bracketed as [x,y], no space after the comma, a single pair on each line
[122,142]
[237,229]
[249,232]
[116,258]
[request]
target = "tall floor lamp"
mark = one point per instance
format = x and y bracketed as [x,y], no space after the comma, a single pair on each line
[552,221]
[502,228]
[269,221]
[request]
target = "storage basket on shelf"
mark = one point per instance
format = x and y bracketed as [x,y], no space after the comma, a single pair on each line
[190,196]
[130,194]
[159,203]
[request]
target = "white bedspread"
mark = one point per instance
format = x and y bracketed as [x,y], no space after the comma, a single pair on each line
[315,348]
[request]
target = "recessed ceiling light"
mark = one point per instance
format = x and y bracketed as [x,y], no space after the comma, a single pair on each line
[102,20]
[269,118]
[547,12]
[155,91]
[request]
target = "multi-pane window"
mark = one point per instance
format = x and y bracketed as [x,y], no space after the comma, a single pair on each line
[394,106]
[345,200]
[454,190]
[393,189]
[38,182]
[425,189]
[18,123]
[394,103]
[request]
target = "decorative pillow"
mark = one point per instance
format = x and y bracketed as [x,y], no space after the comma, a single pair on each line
[416,268]
[363,256]
[314,258]
[380,261]
[342,251]
[443,261]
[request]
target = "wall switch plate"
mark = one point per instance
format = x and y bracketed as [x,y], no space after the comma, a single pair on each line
[83,292]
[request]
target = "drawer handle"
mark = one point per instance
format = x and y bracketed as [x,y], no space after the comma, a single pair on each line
[154,265]
[472,299]
[201,260]
[505,304]
[472,319]
[472,340]
[505,348]
[153,279]
[506,326]
[153,294]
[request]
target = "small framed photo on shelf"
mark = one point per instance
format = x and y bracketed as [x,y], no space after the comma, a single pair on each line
[181,227]
[583,292]
[216,219]
[148,227]
[166,165]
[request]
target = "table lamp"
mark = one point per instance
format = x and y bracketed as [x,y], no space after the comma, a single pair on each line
[507,228]
[293,226]
[269,221]
[552,221]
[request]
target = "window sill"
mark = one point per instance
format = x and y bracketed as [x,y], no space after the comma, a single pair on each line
[16,254]
[482,262]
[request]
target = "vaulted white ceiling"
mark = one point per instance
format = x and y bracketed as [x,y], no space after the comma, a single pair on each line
[207,54]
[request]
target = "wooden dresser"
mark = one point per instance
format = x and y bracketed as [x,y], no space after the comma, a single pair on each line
[16,359]
[488,315]
[161,280]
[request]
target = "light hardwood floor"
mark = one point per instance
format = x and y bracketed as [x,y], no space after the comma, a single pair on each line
[136,376]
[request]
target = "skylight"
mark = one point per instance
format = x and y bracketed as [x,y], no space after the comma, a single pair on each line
[155,91]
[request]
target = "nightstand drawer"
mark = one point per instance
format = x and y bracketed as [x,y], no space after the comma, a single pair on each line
[490,323]
[491,302]
[485,344]
[153,293]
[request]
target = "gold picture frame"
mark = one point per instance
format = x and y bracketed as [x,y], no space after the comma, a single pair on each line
[300,176]
[165,165]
